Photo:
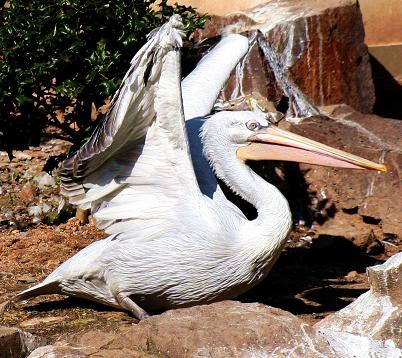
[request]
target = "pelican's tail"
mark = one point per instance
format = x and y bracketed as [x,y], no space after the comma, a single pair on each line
[43,288]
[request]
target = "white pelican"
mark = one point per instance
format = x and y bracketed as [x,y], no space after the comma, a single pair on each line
[174,239]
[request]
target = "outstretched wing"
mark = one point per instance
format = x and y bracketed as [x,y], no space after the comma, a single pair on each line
[137,165]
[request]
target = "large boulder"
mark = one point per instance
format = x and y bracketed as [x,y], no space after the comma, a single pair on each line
[313,46]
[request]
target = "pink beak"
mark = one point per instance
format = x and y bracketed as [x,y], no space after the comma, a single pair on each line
[274,143]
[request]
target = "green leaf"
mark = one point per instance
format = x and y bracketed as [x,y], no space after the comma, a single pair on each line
[22,99]
[71,53]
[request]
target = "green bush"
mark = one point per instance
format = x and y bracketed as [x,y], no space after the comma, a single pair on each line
[60,56]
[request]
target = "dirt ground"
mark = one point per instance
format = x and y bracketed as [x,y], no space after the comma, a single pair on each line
[313,277]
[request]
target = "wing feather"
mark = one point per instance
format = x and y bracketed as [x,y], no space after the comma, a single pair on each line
[137,165]
[131,113]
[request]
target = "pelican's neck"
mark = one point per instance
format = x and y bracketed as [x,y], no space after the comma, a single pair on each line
[271,205]
[266,234]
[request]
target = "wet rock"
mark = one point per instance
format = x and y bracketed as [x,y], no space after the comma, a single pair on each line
[318,46]
[367,199]
[27,192]
[377,314]
[15,343]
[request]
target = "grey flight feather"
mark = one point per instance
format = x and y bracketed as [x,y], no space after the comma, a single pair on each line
[132,110]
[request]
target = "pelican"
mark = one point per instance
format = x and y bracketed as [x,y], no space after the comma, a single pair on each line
[174,239]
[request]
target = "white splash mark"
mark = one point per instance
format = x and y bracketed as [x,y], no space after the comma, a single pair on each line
[238,90]
[308,239]
[294,120]
[306,32]
[370,136]
[302,106]
[323,195]
[320,70]
[269,15]
[381,160]
[370,189]
[288,52]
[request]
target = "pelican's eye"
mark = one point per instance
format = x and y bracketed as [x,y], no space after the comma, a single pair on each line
[252,125]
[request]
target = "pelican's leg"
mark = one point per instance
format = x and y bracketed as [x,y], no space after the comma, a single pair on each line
[128,304]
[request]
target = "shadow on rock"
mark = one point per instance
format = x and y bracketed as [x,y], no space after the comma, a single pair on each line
[388,91]
[308,280]
[66,303]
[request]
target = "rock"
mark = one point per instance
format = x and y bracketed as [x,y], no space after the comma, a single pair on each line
[377,314]
[347,345]
[43,180]
[15,343]
[26,278]
[386,279]
[27,192]
[10,343]
[56,352]
[223,329]
[34,210]
[318,46]
[19,156]
[340,194]
[41,321]
[3,306]
[82,215]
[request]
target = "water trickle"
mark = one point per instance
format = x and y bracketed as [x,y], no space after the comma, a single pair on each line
[381,160]
[299,104]
[320,70]
[288,53]
[307,35]
[238,89]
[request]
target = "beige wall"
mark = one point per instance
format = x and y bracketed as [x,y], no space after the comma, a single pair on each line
[382,21]
[382,18]
[219,7]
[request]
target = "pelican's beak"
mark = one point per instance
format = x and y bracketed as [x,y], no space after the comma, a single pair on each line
[273,143]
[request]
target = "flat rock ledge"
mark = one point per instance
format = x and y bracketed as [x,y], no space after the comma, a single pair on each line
[369,327]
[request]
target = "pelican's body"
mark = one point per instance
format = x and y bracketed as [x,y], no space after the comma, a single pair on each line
[175,240]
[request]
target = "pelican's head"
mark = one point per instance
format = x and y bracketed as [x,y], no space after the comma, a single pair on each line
[252,137]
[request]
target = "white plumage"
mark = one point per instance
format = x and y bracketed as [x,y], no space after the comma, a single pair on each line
[175,239]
